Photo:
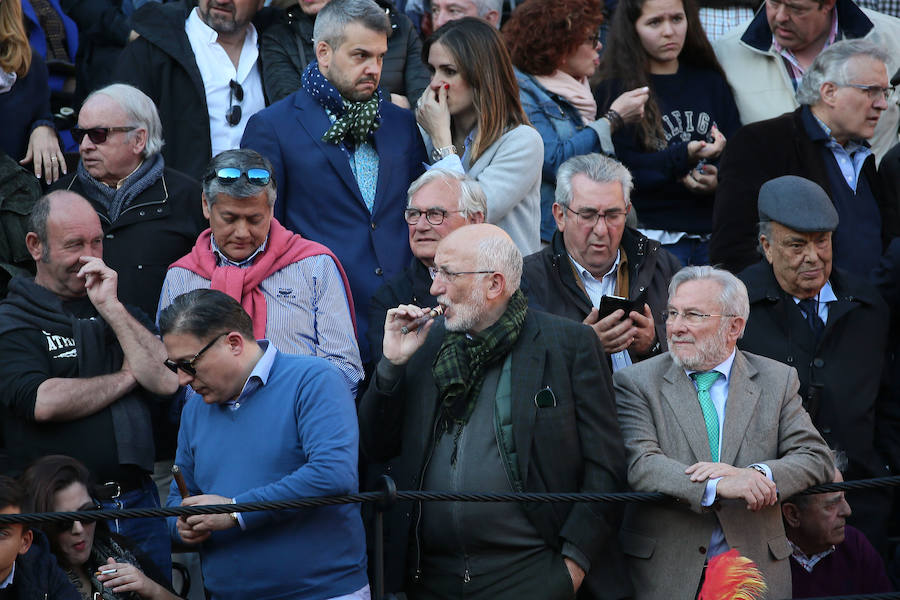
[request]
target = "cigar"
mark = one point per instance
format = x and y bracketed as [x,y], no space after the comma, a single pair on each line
[179,480]
[431,314]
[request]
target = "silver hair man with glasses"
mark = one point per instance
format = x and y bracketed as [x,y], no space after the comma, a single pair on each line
[844,94]
[722,431]
[766,59]
[494,396]
[595,254]
[438,202]
[150,212]
[444,11]
[295,290]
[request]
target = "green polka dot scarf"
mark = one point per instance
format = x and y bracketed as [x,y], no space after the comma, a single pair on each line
[354,120]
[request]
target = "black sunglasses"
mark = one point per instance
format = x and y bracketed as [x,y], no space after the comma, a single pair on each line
[66,526]
[98,135]
[229,175]
[188,365]
[233,114]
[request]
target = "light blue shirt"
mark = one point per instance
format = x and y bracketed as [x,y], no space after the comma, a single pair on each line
[596,289]
[849,158]
[718,393]
[364,164]
[9,578]
[826,295]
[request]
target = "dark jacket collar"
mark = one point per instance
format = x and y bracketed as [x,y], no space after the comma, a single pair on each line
[762,285]
[852,23]
[634,243]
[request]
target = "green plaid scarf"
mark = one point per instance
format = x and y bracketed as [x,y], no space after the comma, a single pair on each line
[460,364]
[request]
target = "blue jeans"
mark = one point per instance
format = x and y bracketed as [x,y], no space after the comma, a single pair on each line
[690,251]
[150,535]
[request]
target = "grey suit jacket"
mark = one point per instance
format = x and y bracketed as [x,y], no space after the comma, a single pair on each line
[664,433]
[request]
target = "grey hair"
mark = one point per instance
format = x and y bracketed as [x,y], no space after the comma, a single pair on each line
[337,14]
[141,113]
[40,213]
[833,64]
[596,167]
[765,229]
[486,6]
[733,297]
[499,253]
[203,313]
[839,457]
[471,196]
[242,159]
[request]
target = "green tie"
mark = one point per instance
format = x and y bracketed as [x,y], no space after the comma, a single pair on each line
[705,381]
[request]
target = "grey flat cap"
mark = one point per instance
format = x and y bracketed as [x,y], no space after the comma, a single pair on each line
[797,203]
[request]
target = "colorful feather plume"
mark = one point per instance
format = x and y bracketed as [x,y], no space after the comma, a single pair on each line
[730,576]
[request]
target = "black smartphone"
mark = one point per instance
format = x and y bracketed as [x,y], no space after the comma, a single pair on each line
[610,304]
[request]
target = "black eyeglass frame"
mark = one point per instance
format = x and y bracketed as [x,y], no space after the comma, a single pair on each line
[188,365]
[412,215]
[614,213]
[97,135]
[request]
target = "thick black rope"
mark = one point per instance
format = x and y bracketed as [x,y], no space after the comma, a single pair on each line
[385,499]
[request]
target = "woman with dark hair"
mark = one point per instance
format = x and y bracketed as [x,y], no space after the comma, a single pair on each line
[26,126]
[102,565]
[672,150]
[474,123]
[554,45]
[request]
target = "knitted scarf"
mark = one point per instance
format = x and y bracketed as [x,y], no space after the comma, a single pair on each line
[283,248]
[576,91]
[117,200]
[103,548]
[356,120]
[463,359]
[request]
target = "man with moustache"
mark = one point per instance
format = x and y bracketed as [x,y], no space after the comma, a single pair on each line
[722,431]
[439,202]
[495,397]
[343,154]
[843,95]
[833,327]
[199,65]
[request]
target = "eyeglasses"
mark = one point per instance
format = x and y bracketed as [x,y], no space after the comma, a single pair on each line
[236,92]
[66,526]
[593,40]
[188,365]
[451,276]
[229,175]
[874,92]
[435,216]
[690,317]
[792,9]
[613,218]
[97,135]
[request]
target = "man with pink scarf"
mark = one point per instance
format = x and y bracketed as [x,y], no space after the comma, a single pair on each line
[295,290]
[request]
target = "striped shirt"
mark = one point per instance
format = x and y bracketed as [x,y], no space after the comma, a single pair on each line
[306,308]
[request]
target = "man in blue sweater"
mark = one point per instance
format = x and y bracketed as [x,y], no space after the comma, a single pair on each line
[269,426]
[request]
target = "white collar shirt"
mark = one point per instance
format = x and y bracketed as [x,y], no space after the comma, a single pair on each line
[217,71]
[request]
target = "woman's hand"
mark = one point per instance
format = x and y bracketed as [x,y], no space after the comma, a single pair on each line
[434,116]
[128,578]
[630,105]
[698,150]
[702,180]
[44,150]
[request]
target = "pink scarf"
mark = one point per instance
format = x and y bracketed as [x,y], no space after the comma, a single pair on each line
[282,249]
[577,92]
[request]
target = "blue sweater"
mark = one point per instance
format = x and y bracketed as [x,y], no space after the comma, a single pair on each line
[294,436]
[690,102]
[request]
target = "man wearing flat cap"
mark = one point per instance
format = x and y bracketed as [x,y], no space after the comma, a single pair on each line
[832,327]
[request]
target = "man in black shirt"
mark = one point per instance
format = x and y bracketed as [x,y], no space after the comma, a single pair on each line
[79,367]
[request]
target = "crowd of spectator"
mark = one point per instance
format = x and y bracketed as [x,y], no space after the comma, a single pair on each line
[478,245]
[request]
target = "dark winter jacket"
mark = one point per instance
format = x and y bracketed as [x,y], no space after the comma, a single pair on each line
[38,575]
[287,48]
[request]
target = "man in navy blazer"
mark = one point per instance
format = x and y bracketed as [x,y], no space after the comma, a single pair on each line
[342,156]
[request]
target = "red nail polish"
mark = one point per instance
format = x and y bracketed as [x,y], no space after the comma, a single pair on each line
[446,86]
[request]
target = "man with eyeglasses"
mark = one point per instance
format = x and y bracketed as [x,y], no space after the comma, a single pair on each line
[595,254]
[438,203]
[343,154]
[150,212]
[766,59]
[843,95]
[494,397]
[80,369]
[295,290]
[833,327]
[200,65]
[270,426]
[723,432]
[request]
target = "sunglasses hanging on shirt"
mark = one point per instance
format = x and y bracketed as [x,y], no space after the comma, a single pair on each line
[236,92]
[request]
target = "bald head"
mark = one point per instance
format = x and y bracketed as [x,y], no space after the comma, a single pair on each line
[479,268]
[63,227]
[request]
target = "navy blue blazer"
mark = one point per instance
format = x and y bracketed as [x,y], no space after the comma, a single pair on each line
[318,196]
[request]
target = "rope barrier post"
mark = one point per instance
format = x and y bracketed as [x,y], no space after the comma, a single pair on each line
[388,489]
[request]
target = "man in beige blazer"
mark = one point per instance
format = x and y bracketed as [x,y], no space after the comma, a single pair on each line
[723,432]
